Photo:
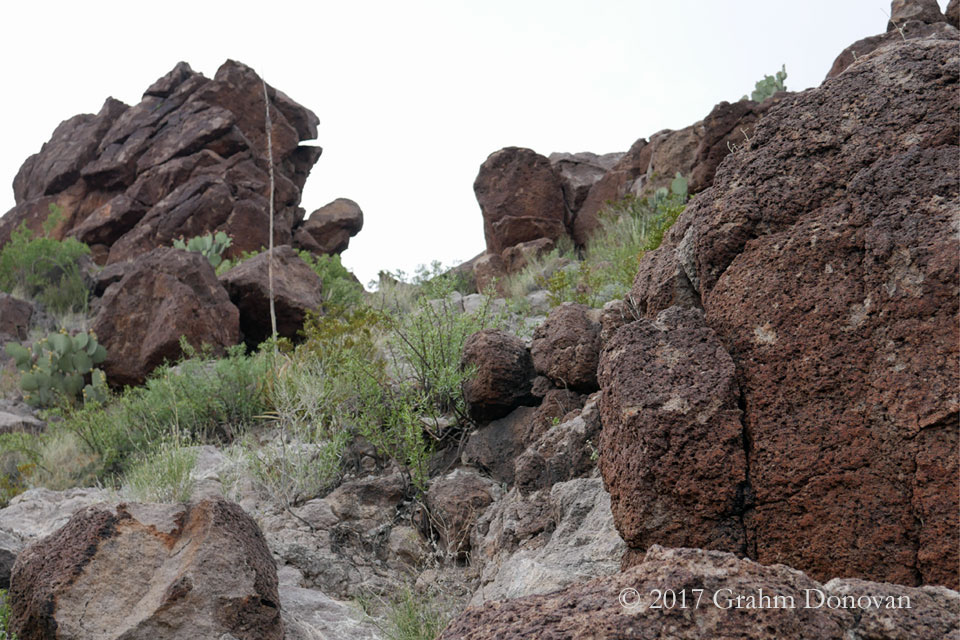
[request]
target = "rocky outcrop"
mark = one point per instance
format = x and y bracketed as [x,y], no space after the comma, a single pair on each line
[578,173]
[328,229]
[566,348]
[296,291]
[721,599]
[537,543]
[521,198]
[613,186]
[836,298]
[903,11]
[162,296]
[504,374]
[144,571]
[190,158]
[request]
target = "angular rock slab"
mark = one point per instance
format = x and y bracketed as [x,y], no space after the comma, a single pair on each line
[146,571]
[296,291]
[672,449]
[162,296]
[593,610]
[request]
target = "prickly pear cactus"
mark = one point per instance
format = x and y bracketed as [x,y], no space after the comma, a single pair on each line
[57,368]
[211,246]
[769,86]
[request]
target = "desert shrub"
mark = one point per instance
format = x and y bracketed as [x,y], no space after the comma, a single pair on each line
[5,613]
[768,86]
[407,614]
[45,269]
[628,229]
[339,286]
[201,399]
[161,475]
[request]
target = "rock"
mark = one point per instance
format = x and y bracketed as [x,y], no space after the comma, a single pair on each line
[567,450]
[594,610]
[517,257]
[579,172]
[162,296]
[312,615]
[614,315]
[908,30]
[521,198]
[20,423]
[504,373]
[570,538]
[144,571]
[296,290]
[837,306]
[566,348]
[329,229]
[489,272]
[902,11]
[672,447]
[613,186]
[952,13]
[190,158]
[37,513]
[15,315]
[455,501]
[671,152]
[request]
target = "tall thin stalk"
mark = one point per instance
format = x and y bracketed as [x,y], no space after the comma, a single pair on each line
[269,127]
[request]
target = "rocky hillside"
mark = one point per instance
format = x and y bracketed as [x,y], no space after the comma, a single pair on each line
[637,415]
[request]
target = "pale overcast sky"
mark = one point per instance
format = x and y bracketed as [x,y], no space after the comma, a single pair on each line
[413,96]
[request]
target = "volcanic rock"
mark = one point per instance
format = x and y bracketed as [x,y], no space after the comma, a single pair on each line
[162,296]
[328,229]
[566,348]
[521,198]
[504,374]
[296,290]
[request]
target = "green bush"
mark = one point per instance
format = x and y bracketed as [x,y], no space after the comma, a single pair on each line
[628,229]
[5,613]
[56,369]
[45,269]
[415,616]
[768,86]
[339,287]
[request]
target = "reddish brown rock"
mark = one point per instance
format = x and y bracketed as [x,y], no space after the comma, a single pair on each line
[15,317]
[671,152]
[952,13]
[455,501]
[504,373]
[489,272]
[329,229]
[594,611]
[910,30]
[296,290]
[142,571]
[517,257]
[578,173]
[672,447]
[566,348]
[190,158]
[613,186]
[163,295]
[837,297]
[902,11]
[521,198]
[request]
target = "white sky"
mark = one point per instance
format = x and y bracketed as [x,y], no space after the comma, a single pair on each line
[412,96]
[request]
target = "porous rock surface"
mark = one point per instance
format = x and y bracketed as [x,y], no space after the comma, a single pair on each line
[825,258]
[504,374]
[135,571]
[566,348]
[163,295]
[296,291]
[593,610]
[190,158]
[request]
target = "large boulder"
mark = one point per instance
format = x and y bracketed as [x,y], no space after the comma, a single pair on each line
[503,374]
[521,198]
[163,295]
[836,297]
[190,158]
[455,501]
[672,445]
[612,186]
[329,229]
[578,173]
[902,11]
[142,571]
[566,348]
[296,291]
[689,594]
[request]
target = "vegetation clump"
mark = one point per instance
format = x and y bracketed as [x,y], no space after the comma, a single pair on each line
[59,368]
[768,86]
